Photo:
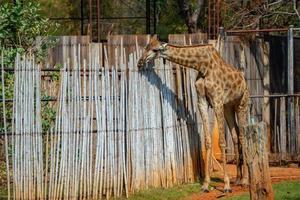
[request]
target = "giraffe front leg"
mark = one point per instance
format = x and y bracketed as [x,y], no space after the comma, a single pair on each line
[207,164]
[203,108]
[245,177]
[219,111]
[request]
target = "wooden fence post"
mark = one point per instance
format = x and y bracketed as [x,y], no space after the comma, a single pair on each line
[258,162]
[290,82]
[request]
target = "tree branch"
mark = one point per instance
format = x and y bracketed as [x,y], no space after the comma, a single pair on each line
[274,3]
[295,9]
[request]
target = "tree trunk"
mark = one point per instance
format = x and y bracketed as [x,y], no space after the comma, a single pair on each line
[189,14]
[258,162]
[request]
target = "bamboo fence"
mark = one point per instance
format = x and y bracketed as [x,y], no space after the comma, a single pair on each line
[27,142]
[118,130]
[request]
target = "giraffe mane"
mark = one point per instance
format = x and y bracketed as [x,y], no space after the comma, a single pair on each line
[189,46]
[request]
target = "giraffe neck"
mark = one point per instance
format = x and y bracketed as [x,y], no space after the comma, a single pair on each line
[195,57]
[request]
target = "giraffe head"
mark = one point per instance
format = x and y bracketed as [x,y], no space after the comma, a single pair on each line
[152,51]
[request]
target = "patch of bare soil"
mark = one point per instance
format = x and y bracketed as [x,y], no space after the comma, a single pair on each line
[277,174]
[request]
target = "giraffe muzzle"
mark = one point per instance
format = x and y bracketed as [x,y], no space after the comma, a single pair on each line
[140,63]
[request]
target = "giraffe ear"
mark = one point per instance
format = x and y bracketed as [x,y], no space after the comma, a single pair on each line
[163,46]
[153,37]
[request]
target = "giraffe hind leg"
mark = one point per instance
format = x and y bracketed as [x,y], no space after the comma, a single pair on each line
[231,122]
[242,114]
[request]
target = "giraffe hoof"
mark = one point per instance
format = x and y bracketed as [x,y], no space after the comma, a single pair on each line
[237,181]
[227,190]
[205,190]
[244,182]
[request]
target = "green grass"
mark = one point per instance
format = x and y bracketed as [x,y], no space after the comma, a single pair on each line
[3,192]
[174,193]
[283,191]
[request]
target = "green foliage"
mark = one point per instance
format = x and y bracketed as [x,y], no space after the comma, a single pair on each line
[48,116]
[169,20]
[9,93]
[23,30]
[20,25]
[64,9]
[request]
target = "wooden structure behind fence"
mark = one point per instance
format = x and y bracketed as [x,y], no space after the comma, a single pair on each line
[255,59]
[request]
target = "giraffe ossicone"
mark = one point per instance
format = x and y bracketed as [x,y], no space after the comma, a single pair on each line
[220,85]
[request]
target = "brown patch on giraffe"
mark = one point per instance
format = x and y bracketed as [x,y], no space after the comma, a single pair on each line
[205,57]
[182,55]
[193,61]
[231,77]
[230,93]
[239,81]
[214,57]
[222,69]
[237,76]
[227,84]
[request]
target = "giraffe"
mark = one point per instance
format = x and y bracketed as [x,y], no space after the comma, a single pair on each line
[219,85]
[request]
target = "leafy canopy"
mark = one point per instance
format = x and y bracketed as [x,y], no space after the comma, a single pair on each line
[21,22]
[23,29]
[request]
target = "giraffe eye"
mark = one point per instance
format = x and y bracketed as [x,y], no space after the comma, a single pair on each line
[155,50]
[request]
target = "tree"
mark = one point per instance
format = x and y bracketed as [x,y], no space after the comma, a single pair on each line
[21,22]
[260,14]
[167,11]
[190,10]
[56,9]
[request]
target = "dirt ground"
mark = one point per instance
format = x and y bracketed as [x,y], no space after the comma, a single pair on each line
[277,174]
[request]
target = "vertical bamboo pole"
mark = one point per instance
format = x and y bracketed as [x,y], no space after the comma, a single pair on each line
[124,125]
[46,165]
[77,124]
[275,145]
[14,128]
[297,116]
[103,129]
[290,103]
[39,138]
[283,132]
[99,138]
[266,90]
[5,128]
